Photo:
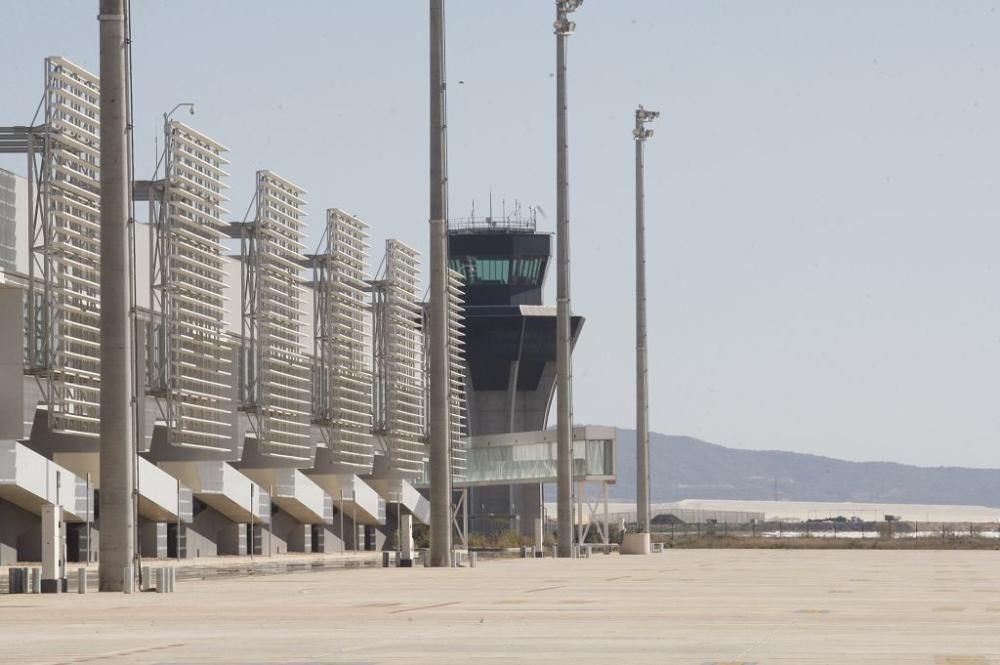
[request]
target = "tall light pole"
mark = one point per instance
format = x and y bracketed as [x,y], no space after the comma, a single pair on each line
[439,434]
[564,360]
[640,134]
[117,542]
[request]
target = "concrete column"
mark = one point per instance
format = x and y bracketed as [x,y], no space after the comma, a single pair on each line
[52,549]
[439,435]
[564,349]
[640,134]
[117,440]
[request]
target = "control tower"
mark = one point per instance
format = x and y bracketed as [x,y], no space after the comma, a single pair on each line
[510,345]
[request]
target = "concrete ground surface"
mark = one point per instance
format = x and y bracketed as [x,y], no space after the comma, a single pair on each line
[691,607]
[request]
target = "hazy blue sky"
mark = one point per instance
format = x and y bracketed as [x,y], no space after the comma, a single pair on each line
[823,186]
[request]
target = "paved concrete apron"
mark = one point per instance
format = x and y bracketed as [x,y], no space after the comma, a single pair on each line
[687,607]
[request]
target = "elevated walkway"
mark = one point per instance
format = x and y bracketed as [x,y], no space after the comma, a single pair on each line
[530,457]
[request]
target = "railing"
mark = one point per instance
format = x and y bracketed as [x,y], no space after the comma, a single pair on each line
[494,224]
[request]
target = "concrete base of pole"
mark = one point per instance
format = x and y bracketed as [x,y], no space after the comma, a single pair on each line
[635,543]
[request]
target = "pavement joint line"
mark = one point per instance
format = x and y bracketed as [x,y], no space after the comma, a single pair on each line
[117,654]
[545,588]
[425,607]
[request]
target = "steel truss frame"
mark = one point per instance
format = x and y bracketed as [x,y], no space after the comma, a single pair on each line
[460,509]
[274,376]
[342,380]
[189,371]
[597,512]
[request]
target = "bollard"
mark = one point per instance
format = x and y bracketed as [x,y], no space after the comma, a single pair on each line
[385,559]
[473,556]
[173,579]
[161,580]
[145,578]
[36,579]
[128,583]
[397,559]
[426,558]
[14,581]
[81,580]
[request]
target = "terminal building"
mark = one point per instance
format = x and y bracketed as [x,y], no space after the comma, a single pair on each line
[280,394]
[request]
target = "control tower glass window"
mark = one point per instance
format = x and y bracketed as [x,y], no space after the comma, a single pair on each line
[498,271]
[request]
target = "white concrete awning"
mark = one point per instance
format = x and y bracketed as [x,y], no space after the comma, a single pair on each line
[293,492]
[30,481]
[221,486]
[161,496]
[395,490]
[353,496]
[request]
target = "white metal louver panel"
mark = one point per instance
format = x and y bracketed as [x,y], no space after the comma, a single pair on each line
[281,397]
[402,360]
[66,252]
[190,251]
[457,413]
[342,404]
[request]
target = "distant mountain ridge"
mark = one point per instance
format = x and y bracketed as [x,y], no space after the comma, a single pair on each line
[685,468]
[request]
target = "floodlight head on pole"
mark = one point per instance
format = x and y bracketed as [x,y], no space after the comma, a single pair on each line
[563,26]
[642,116]
[189,105]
